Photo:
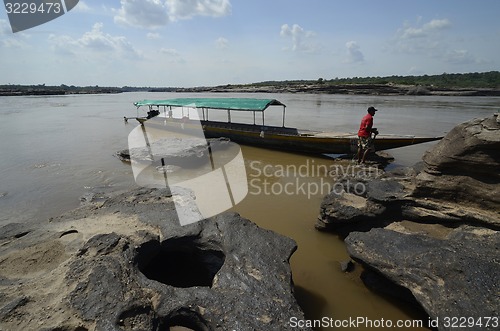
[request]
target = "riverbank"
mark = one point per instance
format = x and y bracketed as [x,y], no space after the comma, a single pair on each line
[125,263]
[388,89]
[347,89]
[40,90]
[430,234]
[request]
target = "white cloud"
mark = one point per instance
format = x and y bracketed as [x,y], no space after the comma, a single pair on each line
[425,30]
[184,9]
[82,7]
[301,39]
[169,51]
[149,14]
[296,32]
[97,40]
[14,43]
[153,36]
[63,44]
[152,14]
[354,54]
[221,43]
[94,42]
[171,55]
[5,28]
[437,25]
[459,57]
[10,40]
[424,38]
[431,41]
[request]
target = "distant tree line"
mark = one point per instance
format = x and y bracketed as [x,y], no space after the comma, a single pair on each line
[489,79]
[482,80]
[42,89]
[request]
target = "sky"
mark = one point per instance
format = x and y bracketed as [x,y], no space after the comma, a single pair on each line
[187,43]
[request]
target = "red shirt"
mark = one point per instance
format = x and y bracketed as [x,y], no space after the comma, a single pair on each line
[365,128]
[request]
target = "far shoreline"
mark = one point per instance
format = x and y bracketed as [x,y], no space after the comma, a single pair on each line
[342,89]
[306,88]
[459,84]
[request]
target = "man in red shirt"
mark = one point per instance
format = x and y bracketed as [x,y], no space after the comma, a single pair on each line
[365,141]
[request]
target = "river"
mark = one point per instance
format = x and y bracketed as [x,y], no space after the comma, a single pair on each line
[57,149]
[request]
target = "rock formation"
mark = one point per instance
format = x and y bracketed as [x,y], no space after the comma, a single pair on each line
[464,170]
[458,183]
[432,228]
[124,263]
[454,276]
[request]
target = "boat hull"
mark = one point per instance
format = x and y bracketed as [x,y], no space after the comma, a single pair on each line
[310,143]
[286,139]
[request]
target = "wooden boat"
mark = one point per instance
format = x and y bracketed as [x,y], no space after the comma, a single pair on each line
[260,135]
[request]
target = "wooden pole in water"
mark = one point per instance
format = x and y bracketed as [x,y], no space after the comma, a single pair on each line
[284,115]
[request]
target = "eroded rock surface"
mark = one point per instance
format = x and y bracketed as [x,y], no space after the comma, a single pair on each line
[458,183]
[455,276]
[463,169]
[126,264]
[449,257]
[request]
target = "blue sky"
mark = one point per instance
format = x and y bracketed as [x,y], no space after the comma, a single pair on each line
[212,42]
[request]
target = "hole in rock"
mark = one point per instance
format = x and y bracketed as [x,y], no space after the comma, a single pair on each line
[139,318]
[78,328]
[22,234]
[181,262]
[66,233]
[186,320]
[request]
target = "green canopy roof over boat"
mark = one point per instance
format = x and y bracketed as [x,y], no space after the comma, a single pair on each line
[247,104]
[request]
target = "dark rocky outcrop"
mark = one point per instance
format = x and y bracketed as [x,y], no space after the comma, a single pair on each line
[463,169]
[457,183]
[370,199]
[432,229]
[125,263]
[455,276]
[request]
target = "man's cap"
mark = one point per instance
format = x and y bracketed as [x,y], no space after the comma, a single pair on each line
[371,109]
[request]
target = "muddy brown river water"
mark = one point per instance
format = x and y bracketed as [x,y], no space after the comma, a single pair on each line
[322,289]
